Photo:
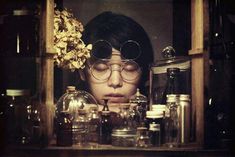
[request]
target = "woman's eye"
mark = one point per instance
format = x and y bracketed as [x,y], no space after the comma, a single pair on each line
[100,67]
[130,67]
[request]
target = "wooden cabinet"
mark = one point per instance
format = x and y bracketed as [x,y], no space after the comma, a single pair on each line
[198,53]
[199,56]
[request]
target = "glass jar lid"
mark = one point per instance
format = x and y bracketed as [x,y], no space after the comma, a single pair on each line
[124,132]
[138,98]
[17,92]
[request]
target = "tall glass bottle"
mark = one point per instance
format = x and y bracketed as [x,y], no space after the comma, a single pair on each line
[105,125]
[172,123]
[173,83]
[105,128]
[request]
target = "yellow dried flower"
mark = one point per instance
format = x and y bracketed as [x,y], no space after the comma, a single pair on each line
[71,52]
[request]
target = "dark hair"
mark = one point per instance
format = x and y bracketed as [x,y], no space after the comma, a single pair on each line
[117,29]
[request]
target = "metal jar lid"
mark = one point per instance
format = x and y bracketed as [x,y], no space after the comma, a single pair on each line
[17,92]
[124,132]
[172,98]
[184,97]
[154,114]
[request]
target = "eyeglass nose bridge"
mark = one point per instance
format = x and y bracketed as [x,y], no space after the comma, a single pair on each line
[119,67]
[115,68]
[107,46]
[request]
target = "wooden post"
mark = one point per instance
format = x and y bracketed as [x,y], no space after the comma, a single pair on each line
[47,67]
[199,27]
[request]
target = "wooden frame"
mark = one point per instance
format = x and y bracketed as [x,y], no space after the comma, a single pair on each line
[199,20]
[199,26]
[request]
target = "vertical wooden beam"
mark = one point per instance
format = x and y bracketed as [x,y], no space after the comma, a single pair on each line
[199,32]
[47,68]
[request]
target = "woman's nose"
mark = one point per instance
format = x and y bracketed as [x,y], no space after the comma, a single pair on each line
[115,79]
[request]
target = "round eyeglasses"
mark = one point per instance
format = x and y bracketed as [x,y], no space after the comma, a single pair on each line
[102,70]
[102,49]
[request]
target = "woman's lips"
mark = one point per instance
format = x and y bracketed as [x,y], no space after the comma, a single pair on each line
[114,98]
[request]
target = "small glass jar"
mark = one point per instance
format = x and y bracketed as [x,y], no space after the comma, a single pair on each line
[155,134]
[142,138]
[156,117]
[93,126]
[80,128]
[123,137]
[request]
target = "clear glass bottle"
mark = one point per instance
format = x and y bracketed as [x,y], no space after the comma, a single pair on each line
[93,126]
[64,130]
[105,128]
[141,105]
[172,123]
[80,128]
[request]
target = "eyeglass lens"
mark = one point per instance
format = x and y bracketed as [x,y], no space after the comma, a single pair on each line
[102,70]
[102,49]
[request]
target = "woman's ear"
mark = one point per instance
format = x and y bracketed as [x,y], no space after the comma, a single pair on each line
[82,74]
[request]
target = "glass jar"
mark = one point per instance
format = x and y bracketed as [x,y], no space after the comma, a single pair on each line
[18,116]
[156,117]
[155,134]
[93,126]
[135,116]
[64,130]
[124,137]
[80,128]
[160,76]
[22,40]
[185,117]
[73,100]
[140,101]
[124,114]
[142,137]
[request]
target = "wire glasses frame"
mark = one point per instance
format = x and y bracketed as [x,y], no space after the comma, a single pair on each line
[102,70]
[102,49]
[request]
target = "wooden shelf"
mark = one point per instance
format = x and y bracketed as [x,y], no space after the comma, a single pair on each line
[110,151]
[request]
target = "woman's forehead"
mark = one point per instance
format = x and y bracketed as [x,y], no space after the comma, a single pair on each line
[116,55]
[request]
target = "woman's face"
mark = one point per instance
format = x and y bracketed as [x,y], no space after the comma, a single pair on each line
[115,88]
